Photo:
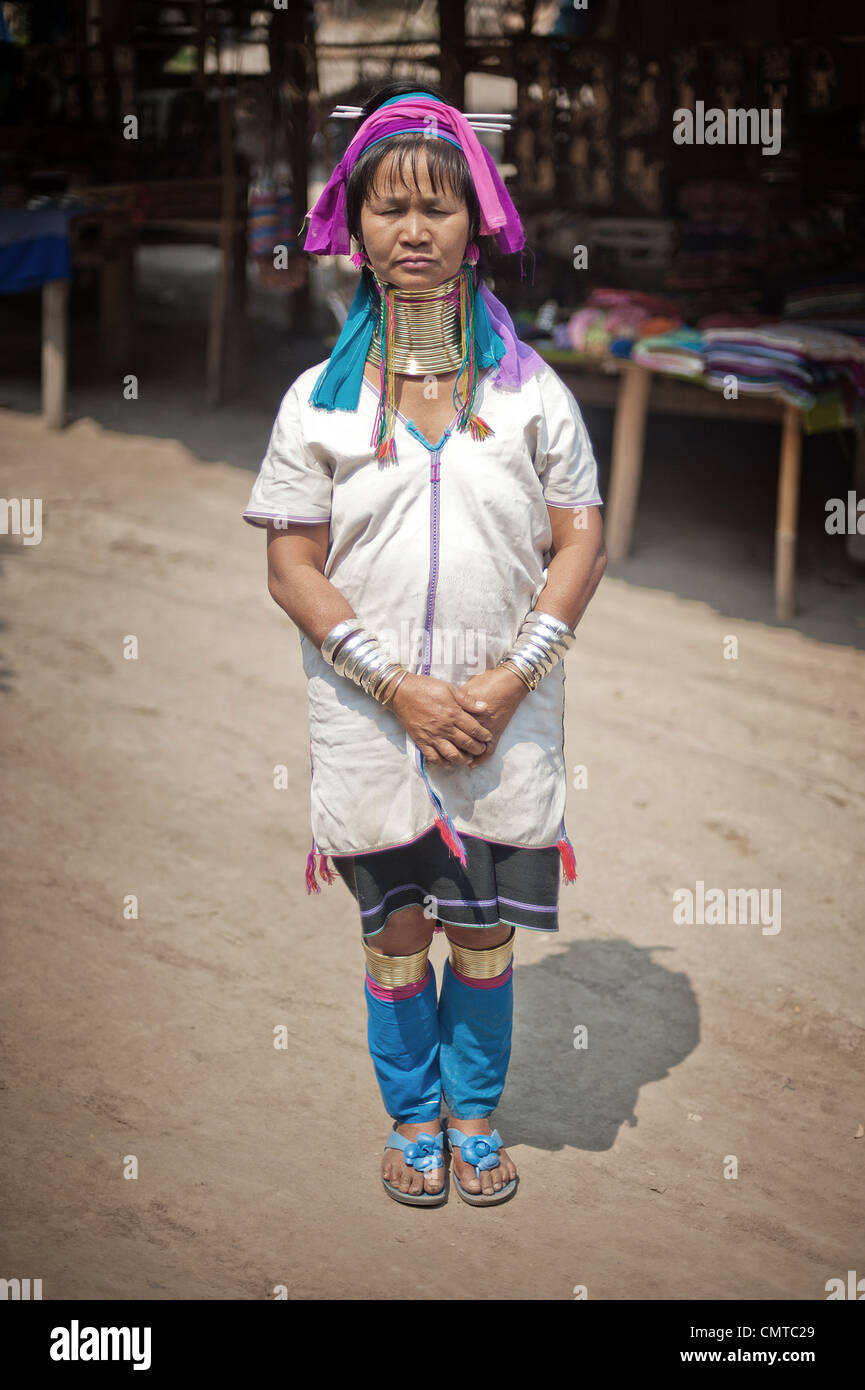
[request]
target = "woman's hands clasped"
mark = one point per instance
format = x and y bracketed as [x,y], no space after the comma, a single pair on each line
[458,724]
[441,719]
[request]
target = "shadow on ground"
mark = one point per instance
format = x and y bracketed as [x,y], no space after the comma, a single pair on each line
[641,1020]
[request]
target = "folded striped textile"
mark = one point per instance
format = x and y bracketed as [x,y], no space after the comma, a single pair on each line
[679,352]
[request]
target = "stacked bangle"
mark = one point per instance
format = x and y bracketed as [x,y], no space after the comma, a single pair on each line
[356,653]
[541,642]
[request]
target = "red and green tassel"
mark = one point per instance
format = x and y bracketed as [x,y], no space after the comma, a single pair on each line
[568,858]
[468,420]
[447,830]
[384,425]
[323,868]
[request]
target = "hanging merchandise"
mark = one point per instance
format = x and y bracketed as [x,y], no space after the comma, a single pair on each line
[263,216]
[273,227]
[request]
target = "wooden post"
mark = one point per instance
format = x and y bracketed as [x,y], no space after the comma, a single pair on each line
[218,352]
[55,299]
[452,49]
[629,432]
[293,68]
[788,512]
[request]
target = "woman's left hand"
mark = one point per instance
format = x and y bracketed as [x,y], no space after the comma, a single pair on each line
[503,691]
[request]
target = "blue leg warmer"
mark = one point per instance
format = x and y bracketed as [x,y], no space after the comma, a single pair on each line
[475,1025]
[403,1039]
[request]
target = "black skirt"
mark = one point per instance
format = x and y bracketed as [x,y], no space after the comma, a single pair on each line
[498,883]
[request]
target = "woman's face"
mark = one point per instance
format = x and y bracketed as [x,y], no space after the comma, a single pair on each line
[414,222]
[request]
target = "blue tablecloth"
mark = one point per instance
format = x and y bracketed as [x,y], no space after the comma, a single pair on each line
[34,247]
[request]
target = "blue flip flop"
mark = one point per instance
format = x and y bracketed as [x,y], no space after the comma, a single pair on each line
[424,1153]
[481,1151]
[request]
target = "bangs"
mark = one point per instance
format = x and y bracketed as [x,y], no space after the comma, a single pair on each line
[446,164]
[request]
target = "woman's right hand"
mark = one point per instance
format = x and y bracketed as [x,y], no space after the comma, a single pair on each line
[441,719]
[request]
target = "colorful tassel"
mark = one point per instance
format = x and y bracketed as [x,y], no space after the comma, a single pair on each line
[478,428]
[311,881]
[324,870]
[568,858]
[384,425]
[387,451]
[443,822]
[447,830]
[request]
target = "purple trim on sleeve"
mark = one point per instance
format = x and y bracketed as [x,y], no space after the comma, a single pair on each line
[572,506]
[280,516]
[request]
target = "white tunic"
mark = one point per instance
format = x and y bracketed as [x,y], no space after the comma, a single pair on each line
[441,555]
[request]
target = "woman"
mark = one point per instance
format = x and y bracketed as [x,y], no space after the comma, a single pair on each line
[431,500]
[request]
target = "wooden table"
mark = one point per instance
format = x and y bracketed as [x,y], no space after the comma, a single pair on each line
[634,390]
[40,248]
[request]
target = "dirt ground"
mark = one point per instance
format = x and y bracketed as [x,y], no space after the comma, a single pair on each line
[153,1036]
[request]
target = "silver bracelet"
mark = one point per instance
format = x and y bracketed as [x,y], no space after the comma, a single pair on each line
[356,653]
[335,636]
[541,642]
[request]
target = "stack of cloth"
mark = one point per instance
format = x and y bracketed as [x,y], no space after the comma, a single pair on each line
[678,352]
[806,366]
[612,320]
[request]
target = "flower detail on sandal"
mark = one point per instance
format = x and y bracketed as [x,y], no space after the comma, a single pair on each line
[425,1153]
[480,1152]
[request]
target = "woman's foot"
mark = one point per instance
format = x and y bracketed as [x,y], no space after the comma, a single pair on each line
[399,1174]
[491,1179]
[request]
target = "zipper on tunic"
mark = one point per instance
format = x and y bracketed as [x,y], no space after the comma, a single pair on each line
[435,478]
[443,822]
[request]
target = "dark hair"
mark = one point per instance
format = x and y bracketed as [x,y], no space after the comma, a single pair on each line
[447,166]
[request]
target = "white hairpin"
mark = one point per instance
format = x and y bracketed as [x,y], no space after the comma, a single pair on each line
[478,120]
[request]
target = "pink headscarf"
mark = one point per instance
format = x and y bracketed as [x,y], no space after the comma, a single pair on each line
[328,233]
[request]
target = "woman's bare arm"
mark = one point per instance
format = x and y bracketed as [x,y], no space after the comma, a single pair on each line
[296,556]
[577,564]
